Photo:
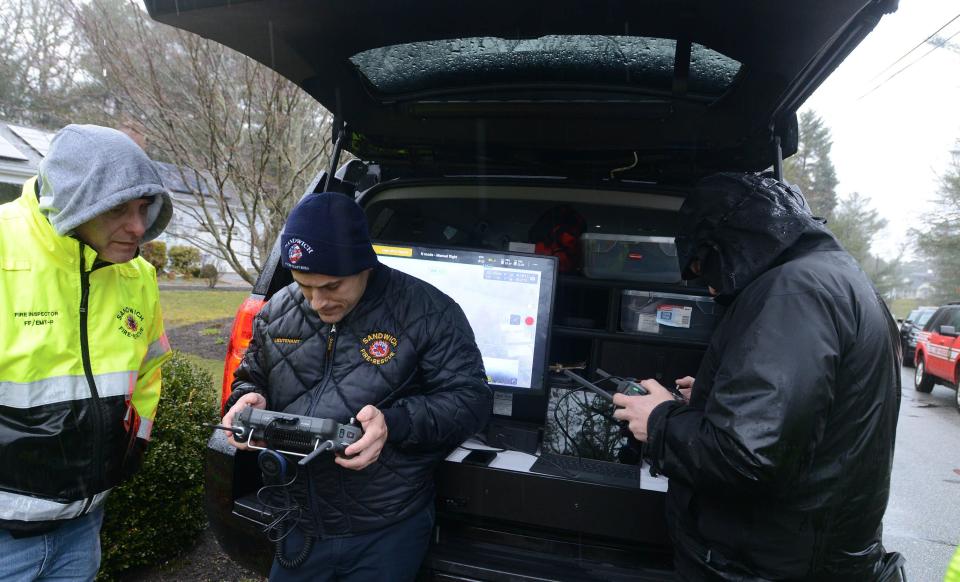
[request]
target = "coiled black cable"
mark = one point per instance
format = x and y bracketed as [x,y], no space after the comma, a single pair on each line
[298,561]
[291,511]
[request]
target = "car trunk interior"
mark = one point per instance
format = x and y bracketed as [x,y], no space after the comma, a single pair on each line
[587,327]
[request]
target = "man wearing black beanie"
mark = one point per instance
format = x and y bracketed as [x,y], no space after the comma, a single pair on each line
[354,338]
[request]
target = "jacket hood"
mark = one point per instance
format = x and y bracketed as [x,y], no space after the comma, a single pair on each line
[91,169]
[740,225]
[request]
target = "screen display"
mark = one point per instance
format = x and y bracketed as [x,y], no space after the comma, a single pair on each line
[507,298]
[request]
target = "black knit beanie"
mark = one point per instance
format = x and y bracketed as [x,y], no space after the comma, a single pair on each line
[327,234]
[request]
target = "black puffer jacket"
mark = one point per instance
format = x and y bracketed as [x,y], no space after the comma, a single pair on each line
[780,465]
[406,348]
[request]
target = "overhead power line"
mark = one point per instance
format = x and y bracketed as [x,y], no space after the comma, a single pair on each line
[910,64]
[920,44]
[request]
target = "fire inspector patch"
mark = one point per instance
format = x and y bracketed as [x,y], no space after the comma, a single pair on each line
[131,322]
[378,348]
[36,318]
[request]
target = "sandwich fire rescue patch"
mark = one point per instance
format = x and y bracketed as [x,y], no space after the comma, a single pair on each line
[378,348]
[131,322]
[295,254]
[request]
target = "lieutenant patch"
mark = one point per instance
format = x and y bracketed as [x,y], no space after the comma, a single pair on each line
[131,322]
[378,348]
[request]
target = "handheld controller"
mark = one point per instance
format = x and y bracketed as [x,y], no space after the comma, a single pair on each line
[302,436]
[627,386]
[624,385]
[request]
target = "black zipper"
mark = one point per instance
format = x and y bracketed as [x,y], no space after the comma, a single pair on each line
[88,372]
[327,367]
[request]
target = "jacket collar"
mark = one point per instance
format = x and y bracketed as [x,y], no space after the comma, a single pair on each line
[376,287]
[376,284]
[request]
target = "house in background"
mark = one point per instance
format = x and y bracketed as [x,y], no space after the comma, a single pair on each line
[184,227]
[916,281]
[22,148]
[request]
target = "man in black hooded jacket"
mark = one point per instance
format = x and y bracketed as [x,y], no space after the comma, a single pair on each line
[353,338]
[780,464]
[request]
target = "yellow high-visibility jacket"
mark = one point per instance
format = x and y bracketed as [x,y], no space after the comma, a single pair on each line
[81,345]
[953,569]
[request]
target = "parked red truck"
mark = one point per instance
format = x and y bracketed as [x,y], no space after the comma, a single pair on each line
[938,351]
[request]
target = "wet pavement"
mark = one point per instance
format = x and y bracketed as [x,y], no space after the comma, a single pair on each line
[923,516]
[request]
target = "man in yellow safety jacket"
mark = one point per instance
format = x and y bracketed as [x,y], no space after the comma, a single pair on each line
[81,344]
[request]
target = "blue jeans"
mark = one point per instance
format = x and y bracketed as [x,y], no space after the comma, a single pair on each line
[69,553]
[392,554]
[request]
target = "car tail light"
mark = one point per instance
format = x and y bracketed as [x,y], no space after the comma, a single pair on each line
[240,337]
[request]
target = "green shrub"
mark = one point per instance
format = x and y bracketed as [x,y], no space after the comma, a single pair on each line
[155,252]
[9,193]
[211,273]
[159,513]
[184,259]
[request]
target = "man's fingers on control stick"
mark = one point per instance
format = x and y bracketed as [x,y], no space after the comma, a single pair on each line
[367,450]
[685,383]
[362,444]
[653,387]
[252,399]
[368,447]
[228,421]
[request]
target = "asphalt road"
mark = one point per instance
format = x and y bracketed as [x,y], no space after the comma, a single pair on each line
[923,516]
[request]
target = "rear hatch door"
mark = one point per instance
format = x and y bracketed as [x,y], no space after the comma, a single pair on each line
[663,91]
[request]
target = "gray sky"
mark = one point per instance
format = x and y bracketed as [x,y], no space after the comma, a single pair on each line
[892,144]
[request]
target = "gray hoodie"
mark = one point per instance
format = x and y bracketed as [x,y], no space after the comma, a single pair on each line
[91,169]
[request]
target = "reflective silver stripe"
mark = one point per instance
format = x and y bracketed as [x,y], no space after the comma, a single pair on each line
[157,348]
[25,508]
[117,384]
[146,426]
[63,389]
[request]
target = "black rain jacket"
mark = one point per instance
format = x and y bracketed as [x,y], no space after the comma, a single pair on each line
[406,348]
[780,465]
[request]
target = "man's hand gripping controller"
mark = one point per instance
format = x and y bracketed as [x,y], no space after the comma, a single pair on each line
[302,436]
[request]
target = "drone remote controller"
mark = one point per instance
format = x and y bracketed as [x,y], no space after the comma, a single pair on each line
[303,436]
[628,386]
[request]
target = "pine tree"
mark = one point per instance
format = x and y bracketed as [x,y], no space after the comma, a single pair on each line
[852,220]
[856,225]
[811,168]
[939,239]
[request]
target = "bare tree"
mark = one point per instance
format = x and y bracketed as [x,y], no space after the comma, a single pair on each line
[244,141]
[43,81]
